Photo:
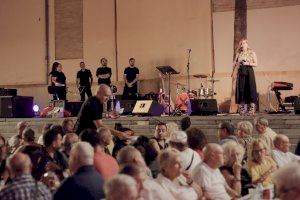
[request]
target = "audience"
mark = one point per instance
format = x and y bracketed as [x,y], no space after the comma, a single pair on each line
[245,129]
[3,155]
[23,186]
[287,182]
[68,140]
[46,128]
[158,141]
[121,187]
[235,175]
[209,177]
[85,183]
[171,127]
[51,159]
[104,163]
[185,123]
[15,141]
[226,133]
[68,125]
[264,132]
[179,184]
[260,166]
[196,140]
[297,150]
[281,154]
[188,156]
[120,142]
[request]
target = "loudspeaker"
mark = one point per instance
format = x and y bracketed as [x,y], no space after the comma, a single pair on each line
[127,106]
[297,105]
[204,107]
[18,107]
[148,107]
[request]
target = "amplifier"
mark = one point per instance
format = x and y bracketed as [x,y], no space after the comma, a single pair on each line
[16,107]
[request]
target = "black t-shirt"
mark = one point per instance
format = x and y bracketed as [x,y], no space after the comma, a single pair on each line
[131,73]
[101,71]
[84,77]
[90,111]
[60,77]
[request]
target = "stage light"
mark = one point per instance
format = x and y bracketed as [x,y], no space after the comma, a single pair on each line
[36,108]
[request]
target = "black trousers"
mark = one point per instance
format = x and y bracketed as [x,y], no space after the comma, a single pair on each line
[130,93]
[61,93]
[84,90]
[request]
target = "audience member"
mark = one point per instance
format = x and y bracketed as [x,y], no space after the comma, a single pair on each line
[68,125]
[179,184]
[260,166]
[196,140]
[297,150]
[158,141]
[59,129]
[50,180]
[188,156]
[23,186]
[281,154]
[121,187]
[209,177]
[15,141]
[171,127]
[235,175]
[68,140]
[3,155]
[185,123]
[264,132]
[31,148]
[105,164]
[52,159]
[245,129]
[148,188]
[226,133]
[122,142]
[287,182]
[46,128]
[85,183]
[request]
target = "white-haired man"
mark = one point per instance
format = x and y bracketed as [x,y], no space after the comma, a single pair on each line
[23,185]
[121,187]
[281,154]
[15,141]
[287,182]
[130,155]
[85,183]
[208,176]
[265,132]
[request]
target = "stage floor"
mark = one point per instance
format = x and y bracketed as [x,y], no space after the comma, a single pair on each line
[281,123]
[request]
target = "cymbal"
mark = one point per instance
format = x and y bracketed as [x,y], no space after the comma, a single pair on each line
[213,80]
[200,76]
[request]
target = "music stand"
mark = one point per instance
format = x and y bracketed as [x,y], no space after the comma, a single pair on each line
[168,70]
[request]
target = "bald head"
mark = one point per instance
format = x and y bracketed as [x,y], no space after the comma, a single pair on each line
[19,164]
[282,142]
[103,93]
[214,155]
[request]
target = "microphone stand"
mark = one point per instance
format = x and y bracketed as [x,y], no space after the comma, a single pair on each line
[188,69]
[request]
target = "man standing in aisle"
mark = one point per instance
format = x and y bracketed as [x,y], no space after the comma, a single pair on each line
[104,73]
[131,77]
[84,81]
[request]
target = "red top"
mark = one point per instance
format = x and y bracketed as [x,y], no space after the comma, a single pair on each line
[106,165]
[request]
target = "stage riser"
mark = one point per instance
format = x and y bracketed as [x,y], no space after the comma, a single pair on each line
[288,125]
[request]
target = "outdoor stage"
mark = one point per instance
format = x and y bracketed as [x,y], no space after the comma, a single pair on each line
[284,124]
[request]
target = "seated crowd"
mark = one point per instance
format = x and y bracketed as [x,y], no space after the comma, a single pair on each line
[176,162]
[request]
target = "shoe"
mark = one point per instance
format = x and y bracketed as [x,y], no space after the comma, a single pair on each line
[252,109]
[243,109]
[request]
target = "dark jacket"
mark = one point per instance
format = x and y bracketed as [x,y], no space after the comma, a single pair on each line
[85,184]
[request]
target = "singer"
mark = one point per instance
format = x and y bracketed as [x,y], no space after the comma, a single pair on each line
[246,93]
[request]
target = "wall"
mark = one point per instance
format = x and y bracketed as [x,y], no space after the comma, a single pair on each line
[274,37]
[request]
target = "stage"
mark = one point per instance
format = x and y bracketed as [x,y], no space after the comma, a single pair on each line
[284,124]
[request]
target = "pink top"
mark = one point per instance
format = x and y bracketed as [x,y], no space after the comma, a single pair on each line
[106,165]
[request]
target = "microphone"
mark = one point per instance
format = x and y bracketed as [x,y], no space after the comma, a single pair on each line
[189,50]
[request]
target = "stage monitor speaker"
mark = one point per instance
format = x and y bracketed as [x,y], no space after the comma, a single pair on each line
[17,107]
[127,106]
[204,107]
[297,105]
[148,107]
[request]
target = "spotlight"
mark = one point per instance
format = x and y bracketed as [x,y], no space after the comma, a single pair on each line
[36,108]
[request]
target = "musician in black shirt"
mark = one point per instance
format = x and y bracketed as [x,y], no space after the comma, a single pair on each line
[84,81]
[131,77]
[58,81]
[103,73]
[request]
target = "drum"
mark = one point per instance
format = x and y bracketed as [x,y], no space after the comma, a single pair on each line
[183,101]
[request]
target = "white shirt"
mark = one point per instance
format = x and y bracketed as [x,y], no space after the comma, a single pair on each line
[211,181]
[190,158]
[268,137]
[282,158]
[178,191]
[152,191]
